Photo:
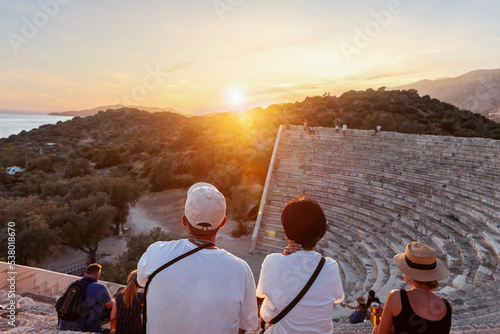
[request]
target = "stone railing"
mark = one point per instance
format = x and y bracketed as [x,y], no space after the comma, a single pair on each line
[38,281]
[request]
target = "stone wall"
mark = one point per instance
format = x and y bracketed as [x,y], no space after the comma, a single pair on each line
[40,282]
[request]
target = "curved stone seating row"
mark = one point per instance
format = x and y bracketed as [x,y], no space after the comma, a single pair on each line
[414,238]
[363,262]
[412,157]
[477,247]
[421,213]
[465,148]
[390,165]
[383,147]
[381,273]
[478,303]
[391,189]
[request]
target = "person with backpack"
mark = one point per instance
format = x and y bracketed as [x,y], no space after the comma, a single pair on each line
[81,308]
[300,286]
[191,285]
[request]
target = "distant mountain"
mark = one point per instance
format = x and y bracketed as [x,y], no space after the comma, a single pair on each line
[90,112]
[477,91]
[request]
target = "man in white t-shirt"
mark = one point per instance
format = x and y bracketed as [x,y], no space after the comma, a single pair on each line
[344,129]
[282,277]
[210,291]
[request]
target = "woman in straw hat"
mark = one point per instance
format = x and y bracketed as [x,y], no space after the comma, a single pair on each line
[359,313]
[417,310]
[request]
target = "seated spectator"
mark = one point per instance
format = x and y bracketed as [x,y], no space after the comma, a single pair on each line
[408,311]
[209,291]
[369,301]
[112,322]
[282,277]
[359,313]
[376,130]
[128,306]
[371,298]
[97,298]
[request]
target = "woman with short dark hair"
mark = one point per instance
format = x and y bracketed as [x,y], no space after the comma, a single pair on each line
[417,310]
[282,277]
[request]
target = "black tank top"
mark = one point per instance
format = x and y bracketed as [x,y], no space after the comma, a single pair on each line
[408,322]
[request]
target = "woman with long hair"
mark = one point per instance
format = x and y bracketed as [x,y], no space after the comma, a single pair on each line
[128,306]
[359,313]
[417,310]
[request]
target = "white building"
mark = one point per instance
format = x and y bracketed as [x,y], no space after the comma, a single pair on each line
[13,170]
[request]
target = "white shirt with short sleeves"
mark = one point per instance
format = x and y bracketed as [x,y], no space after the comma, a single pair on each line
[281,280]
[211,291]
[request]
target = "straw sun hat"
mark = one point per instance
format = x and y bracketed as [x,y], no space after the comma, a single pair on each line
[420,262]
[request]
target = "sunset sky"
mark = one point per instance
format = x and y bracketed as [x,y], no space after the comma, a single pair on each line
[221,55]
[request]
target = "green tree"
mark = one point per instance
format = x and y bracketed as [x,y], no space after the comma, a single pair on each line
[238,207]
[161,174]
[33,236]
[123,193]
[108,158]
[137,244]
[84,222]
[12,155]
[77,167]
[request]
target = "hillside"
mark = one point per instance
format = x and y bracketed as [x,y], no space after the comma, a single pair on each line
[477,91]
[91,112]
[142,138]
[79,189]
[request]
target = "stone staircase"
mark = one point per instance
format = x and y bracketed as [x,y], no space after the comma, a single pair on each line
[381,192]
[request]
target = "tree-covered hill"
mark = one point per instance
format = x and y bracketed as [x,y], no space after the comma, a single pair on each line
[81,185]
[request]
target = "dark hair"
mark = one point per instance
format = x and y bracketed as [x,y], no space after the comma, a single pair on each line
[371,293]
[120,289]
[93,268]
[304,221]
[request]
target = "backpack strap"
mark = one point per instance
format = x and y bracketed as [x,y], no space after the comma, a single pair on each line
[168,264]
[301,294]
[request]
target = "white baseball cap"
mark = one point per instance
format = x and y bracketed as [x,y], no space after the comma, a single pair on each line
[205,205]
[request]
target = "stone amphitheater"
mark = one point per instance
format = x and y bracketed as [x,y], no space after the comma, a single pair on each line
[381,192]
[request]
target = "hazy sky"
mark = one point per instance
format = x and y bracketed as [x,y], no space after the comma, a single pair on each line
[220,55]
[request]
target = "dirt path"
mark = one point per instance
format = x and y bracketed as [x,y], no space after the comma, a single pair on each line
[163,209]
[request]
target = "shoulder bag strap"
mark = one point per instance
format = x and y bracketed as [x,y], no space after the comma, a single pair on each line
[301,294]
[150,278]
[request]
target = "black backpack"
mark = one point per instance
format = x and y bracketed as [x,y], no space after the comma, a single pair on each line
[69,305]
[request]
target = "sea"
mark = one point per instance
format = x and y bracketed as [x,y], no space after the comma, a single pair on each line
[12,123]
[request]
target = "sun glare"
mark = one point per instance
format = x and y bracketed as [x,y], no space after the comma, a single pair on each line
[236,96]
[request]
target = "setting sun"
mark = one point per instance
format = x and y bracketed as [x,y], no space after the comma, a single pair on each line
[236,96]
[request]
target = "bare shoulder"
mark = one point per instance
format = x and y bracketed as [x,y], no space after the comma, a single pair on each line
[394,295]
[393,303]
